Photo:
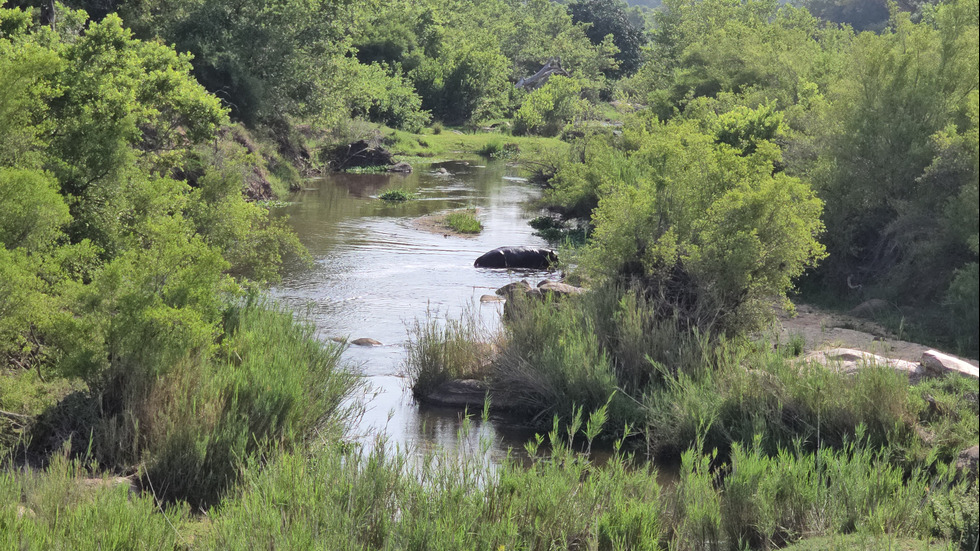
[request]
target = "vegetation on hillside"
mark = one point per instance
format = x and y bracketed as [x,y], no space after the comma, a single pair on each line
[754,147]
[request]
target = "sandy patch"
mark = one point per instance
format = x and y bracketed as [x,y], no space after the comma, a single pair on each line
[436,223]
[822,330]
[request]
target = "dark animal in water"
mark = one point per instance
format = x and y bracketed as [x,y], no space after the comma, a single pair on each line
[517,257]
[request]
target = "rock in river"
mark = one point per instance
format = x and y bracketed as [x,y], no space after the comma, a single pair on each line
[366,342]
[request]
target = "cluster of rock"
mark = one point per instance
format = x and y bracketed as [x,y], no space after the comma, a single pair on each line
[932,363]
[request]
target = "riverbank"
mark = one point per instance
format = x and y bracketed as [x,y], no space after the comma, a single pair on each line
[329,489]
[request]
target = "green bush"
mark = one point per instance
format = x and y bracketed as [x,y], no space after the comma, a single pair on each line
[547,110]
[711,234]
[195,423]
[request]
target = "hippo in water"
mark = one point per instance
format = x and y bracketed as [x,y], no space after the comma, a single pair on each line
[517,257]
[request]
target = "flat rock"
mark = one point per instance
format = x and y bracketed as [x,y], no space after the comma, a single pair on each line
[466,394]
[403,168]
[850,361]
[366,342]
[491,298]
[461,393]
[559,288]
[936,363]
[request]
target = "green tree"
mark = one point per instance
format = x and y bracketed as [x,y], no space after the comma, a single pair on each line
[609,17]
[709,231]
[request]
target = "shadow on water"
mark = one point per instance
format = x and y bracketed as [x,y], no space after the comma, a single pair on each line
[375,272]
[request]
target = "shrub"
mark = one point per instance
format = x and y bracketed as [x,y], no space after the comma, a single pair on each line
[712,235]
[548,109]
[194,423]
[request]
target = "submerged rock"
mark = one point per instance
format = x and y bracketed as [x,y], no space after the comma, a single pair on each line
[366,342]
[466,394]
[403,168]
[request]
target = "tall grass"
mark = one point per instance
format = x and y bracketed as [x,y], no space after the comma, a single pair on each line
[329,495]
[439,351]
[463,222]
[188,429]
[60,508]
[764,501]
[377,500]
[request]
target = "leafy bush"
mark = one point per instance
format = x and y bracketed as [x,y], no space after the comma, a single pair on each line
[548,109]
[197,423]
[712,235]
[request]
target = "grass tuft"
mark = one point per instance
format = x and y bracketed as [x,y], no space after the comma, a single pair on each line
[397,195]
[463,222]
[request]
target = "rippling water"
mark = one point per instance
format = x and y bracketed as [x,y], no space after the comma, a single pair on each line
[376,272]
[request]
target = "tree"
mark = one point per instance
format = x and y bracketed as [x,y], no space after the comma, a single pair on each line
[609,17]
[709,231]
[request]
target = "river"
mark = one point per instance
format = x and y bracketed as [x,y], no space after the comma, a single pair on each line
[376,271]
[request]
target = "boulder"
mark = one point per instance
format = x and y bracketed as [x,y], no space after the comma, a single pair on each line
[558,288]
[535,258]
[366,342]
[850,361]
[403,168]
[871,309]
[465,394]
[508,290]
[967,462]
[936,363]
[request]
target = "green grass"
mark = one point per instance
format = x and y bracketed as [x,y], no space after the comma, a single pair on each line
[397,195]
[499,149]
[330,495]
[451,144]
[439,351]
[367,170]
[463,222]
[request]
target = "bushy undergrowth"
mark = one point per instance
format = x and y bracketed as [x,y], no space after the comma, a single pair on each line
[764,501]
[191,426]
[672,384]
[59,508]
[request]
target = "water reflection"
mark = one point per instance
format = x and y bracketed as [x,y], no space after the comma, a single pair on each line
[375,272]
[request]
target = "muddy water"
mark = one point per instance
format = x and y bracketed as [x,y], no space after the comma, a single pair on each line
[376,272]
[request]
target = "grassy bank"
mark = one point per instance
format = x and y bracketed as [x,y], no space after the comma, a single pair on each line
[452,144]
[329,496]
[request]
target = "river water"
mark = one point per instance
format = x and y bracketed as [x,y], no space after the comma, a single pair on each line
[376,271]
